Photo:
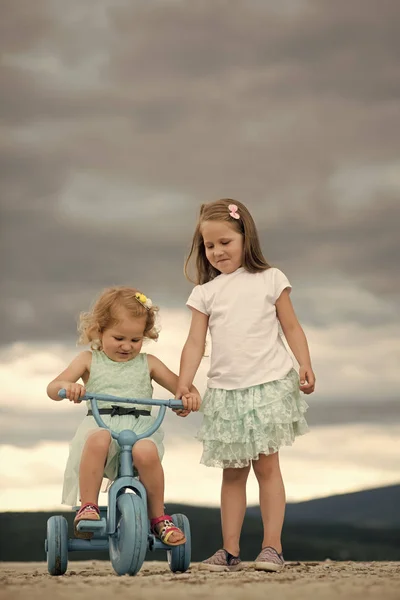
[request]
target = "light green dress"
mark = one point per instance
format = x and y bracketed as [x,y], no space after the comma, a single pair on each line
[241,424]
[125,379]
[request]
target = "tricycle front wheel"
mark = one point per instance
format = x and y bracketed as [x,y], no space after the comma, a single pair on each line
[128,544]
[179,556]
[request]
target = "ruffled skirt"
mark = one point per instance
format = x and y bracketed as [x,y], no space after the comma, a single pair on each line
[239,425]
[70,494]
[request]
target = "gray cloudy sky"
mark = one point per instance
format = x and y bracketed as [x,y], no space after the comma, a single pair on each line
[120,117]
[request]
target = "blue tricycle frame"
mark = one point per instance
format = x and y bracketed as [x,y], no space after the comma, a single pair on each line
[124,527]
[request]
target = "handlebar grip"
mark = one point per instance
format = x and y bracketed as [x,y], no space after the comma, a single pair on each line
[62,393]
[176,404]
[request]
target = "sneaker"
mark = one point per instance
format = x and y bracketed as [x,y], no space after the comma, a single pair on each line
[269,560]
[222,561]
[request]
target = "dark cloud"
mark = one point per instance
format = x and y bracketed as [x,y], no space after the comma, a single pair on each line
[118,119]
[321,47]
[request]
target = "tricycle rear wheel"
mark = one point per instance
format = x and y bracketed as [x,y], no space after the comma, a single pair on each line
[57,545]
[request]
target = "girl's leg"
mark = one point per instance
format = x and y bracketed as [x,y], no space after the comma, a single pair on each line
[233,507]
[272,498]
[151,474]
[91,468]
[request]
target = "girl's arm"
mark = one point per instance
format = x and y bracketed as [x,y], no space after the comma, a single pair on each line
[193,351]
[68,378]
[296,339]
[169,380]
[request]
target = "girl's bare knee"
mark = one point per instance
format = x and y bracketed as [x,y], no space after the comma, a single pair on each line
[266,465]
[145,454]
[233,475]
[99,440]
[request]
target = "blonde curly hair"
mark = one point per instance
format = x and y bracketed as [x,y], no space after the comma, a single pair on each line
[103,314]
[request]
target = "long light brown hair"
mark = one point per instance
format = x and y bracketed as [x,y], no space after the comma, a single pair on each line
[253,259]
[104,314]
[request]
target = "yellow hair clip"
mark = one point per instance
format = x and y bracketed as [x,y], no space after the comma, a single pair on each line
[144,301]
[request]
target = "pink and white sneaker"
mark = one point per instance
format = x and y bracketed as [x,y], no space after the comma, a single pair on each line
[222,561]
[269,560]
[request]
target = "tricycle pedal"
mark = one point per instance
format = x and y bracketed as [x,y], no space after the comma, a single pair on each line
[95,526]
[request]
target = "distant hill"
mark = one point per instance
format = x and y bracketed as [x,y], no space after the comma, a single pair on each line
[362,526]
[377,507]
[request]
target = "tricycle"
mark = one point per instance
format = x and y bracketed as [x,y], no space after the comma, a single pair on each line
[124,527]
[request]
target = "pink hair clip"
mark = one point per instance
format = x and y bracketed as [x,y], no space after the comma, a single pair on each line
[233,211]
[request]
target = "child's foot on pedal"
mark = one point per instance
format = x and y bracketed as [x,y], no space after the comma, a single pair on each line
[165,530]
[269,560]
[222,561]
[87,512]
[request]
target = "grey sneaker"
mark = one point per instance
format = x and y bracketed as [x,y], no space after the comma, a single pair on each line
[269,560]
[222,561]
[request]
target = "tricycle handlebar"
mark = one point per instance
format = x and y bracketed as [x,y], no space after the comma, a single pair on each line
[171,403]
[94,398]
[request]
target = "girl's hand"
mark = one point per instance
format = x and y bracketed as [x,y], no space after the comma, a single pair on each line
[307,379]
[74,392]
[180,392]
[180,412]
[191,402]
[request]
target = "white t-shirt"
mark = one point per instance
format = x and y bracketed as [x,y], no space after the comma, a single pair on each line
[246,349]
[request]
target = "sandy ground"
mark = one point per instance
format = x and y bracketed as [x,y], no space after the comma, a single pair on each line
[322,581]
